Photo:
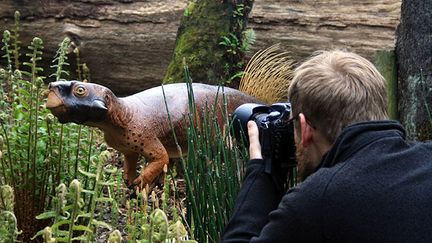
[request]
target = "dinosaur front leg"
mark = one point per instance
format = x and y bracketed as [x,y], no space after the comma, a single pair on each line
[156,157]
[129,168]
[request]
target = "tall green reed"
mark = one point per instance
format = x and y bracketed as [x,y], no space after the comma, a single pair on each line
[213,170]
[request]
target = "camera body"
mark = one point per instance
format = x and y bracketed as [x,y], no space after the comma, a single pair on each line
[276,133]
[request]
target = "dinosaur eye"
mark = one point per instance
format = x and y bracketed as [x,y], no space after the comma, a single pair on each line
[80,91]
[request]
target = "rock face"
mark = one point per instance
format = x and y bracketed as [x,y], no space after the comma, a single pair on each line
[128,44]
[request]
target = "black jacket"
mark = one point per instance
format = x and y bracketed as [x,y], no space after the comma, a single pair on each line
[372,186]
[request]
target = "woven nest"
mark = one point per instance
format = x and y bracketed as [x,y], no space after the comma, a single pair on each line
[268,75]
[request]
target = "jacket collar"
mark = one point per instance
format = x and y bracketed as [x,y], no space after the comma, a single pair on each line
[354,137]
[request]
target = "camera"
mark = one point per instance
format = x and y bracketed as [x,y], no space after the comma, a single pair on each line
[276,133]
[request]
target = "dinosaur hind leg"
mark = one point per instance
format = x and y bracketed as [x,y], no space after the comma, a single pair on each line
[157,158]
[129,168]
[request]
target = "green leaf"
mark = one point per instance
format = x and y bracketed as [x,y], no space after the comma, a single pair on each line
[47,215]
[87,191]
[63,239]
[101,224]
[82,228]
[86,215]
[63,233]
[60,223]
[39,233]
[81,238]
[110,170]
[107,183]
[88,174]
[104,199]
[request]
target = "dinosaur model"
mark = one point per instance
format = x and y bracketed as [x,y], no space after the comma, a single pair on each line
[138,125]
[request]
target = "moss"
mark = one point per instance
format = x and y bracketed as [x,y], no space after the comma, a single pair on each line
[417,112]
[412,102]
[198,39]
[425,132]
[189,9]
[386,64]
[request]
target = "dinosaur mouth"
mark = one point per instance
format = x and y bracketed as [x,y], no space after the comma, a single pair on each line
[56,106]
[53,101]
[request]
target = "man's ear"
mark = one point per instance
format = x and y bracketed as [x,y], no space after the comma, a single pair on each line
[305,130]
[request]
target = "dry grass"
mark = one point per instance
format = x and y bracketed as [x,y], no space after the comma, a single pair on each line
[268,75]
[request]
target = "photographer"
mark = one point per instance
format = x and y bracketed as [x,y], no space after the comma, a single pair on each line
[361,181]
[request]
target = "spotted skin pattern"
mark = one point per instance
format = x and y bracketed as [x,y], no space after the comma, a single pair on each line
[138,125]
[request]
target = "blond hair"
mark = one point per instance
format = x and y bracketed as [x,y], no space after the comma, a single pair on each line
[334,89]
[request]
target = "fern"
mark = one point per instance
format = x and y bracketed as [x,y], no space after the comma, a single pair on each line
[16,43]
[38,152]
[60,59]
[69,209]
[8,222]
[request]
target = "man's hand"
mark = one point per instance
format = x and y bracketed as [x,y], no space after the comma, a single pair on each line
[254,143]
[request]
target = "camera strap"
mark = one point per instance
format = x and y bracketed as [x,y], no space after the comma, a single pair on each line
[266,150]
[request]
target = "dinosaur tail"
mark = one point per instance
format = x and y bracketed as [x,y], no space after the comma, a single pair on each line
[267,75]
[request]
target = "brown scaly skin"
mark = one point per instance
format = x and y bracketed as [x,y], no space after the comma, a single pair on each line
[138,124]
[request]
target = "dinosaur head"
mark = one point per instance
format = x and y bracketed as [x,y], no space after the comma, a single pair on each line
[78,102]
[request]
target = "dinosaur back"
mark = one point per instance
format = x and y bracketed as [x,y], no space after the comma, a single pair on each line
[150,107]
[176,98]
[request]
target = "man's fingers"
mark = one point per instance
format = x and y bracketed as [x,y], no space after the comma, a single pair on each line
[254,144]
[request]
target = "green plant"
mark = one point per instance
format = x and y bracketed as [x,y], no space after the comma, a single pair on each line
[115,237]
[150,220]
[189,8]
[71,215]
[36,149]
[237,43]
[73,219]
[16,43]
[104,177]
[68,215]
[60,59]
[8,222]
[216,165]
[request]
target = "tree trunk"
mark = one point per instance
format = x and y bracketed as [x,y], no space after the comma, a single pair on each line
[414,55]
[305,26]
[210,39]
